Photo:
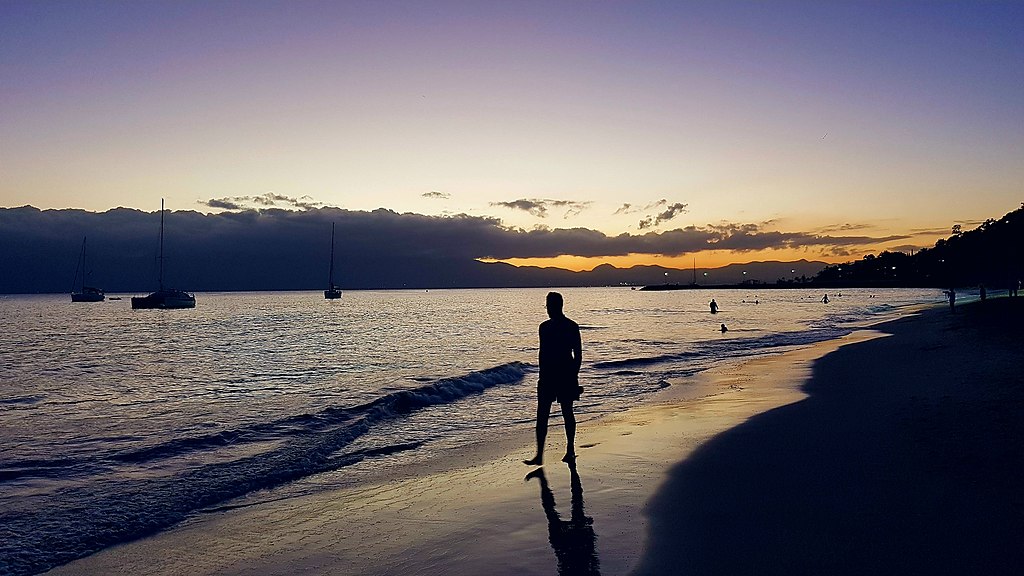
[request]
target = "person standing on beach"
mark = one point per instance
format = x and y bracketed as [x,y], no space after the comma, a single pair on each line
[951,293]
[561,353]
[714,306]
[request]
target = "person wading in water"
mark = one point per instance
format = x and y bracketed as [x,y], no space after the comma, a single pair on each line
[561,352]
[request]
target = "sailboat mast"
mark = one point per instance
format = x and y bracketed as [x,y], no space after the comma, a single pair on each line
[80,268]
[85,263]
[330,275]
[161,243]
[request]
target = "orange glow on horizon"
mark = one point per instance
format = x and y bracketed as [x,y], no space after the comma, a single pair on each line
[707,259]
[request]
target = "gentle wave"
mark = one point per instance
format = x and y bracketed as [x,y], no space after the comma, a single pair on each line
[710,351]
[125,510]
[21,400]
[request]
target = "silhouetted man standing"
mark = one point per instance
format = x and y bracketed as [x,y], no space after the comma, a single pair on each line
[561,352]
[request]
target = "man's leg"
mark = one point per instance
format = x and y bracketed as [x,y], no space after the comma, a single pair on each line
[543,410]
[570,431]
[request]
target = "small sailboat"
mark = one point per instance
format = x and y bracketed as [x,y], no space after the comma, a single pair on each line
[333,292]
[85,293]
[164,298]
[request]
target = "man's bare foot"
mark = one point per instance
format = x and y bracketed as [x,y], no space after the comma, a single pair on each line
[535,461]
[569,457]
[536,473]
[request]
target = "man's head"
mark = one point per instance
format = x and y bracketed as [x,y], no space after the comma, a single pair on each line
[554,302]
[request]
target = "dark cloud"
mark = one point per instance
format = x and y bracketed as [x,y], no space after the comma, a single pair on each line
[539,207]
[268,200]
[536,207]
[504,243]
[670,213]
[437,195]
[932,231]
[906,248]
[973,223]
[843,228]
[664,216]
[964,224]
[275,248]
[221,203]
[837,252]
[572,208]
[628,208]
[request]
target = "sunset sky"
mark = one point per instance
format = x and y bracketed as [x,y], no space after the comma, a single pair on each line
[871,124]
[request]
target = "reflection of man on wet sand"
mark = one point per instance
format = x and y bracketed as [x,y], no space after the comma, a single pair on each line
[561,353]
[573,540]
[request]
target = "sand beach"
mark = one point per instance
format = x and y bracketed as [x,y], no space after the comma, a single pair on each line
[896,449]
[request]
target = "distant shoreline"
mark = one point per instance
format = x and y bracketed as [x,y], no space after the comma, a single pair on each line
[760,286]
[638,287]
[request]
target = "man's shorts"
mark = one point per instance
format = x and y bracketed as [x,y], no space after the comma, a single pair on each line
[563,392]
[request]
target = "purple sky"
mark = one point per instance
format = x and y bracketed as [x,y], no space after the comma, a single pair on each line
[802,116]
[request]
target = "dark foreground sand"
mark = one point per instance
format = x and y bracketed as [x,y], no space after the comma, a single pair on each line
[872,454]
[906,458]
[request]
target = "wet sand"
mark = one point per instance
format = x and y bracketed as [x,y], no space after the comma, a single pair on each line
[751,476]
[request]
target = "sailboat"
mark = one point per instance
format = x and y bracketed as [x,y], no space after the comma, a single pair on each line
[164,297]
[333,292]
[86,293]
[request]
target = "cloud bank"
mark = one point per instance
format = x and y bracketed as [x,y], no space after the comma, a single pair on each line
[273,248]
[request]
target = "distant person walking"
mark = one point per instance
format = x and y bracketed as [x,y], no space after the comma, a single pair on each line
[561,353]
[824,299]
[951,294]
[714,306]
[982,293]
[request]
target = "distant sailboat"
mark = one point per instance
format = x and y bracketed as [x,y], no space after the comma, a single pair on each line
[333,292]
[164,298]
[85,293]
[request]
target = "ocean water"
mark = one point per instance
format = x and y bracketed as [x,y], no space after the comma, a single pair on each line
[115,423]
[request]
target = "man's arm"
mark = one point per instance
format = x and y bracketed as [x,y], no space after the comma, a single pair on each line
[540,344]
[577,349]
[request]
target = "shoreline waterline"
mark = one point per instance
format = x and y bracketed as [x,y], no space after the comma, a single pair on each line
[904,457]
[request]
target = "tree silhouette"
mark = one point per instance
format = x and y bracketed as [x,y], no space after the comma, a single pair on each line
[991,254]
